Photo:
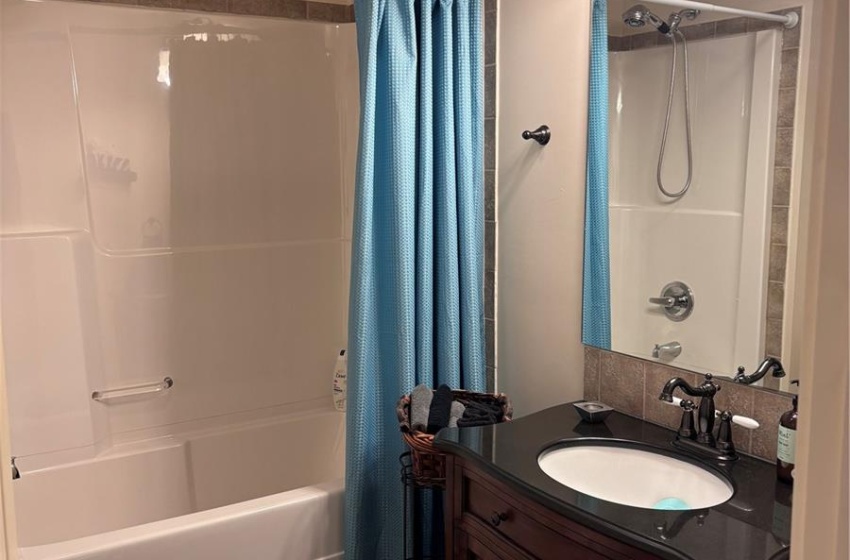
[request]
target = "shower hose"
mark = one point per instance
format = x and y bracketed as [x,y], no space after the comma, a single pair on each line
[684,189]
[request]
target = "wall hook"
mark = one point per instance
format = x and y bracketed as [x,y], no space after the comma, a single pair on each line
[541,135]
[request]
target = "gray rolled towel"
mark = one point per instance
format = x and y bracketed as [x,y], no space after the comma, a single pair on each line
[420,405]
[457,413]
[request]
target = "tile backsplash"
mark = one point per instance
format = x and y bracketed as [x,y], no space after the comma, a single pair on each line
[632,385]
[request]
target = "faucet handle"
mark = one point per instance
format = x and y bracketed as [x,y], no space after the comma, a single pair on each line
[687,427]
[724,433]
[743,421]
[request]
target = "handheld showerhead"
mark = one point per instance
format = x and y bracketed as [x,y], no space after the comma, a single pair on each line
[638,16]
[634,16]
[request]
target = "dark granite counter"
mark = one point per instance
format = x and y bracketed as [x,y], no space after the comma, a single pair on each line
[755,524]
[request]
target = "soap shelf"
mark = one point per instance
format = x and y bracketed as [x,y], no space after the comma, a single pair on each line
[133,390]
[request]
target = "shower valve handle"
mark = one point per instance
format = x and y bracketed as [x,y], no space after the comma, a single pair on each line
[676,300]
[670,301]
[541,135]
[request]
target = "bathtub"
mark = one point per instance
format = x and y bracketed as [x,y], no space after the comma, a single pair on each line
[259,490]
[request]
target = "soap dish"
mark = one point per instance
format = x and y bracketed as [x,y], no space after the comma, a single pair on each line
[593,412]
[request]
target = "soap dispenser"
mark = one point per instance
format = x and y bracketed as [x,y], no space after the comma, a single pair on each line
[787,443]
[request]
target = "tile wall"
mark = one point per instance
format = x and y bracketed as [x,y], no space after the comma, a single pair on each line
[632,386]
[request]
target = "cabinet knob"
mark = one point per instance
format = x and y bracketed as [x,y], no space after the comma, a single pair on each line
[497,518]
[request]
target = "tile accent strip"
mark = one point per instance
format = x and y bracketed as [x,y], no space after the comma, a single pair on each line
[783,155]
[490,226]
[289,9]
[632,385]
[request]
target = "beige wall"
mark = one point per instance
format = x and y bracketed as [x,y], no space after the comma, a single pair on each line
[541,200]
[8,532]
[820,526]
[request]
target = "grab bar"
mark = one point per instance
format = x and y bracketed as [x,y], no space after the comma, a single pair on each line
[133,390]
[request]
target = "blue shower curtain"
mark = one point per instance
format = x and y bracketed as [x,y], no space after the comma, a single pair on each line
[596,296]
[416,308]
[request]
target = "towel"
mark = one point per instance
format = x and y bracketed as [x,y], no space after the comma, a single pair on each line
[441,409]
[420,405]
[457,413]
[480,414]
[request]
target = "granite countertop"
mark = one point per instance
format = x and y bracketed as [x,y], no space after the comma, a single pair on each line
[754,525]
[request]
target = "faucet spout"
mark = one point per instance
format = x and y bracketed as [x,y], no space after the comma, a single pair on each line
[705,414]
[704,390]
[768,364]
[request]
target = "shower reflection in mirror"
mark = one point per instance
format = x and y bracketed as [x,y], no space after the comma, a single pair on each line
[690,130]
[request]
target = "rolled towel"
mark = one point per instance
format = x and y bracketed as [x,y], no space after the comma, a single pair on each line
[441,409]
[420,405]
[457,413]
[485,408]
[480,414]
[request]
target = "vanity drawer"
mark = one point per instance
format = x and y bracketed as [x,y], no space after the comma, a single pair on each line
[487,518]
[509,519]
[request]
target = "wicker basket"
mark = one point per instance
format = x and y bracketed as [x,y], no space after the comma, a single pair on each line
[429,463]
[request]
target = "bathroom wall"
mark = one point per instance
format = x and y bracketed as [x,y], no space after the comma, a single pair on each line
[821,521]
[543,69]
[193,221]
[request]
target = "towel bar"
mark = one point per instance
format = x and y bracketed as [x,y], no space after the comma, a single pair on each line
[133,390]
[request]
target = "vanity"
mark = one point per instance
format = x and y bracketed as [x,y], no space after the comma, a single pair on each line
[500,504]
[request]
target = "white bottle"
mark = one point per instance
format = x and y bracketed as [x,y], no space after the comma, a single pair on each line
[340,381]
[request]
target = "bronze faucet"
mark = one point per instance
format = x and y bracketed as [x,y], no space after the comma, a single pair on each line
[768,364]
[702,441]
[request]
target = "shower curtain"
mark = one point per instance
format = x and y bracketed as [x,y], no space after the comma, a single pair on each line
[596,296]
[416,308]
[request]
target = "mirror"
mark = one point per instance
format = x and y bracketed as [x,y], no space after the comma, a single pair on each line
[700,188]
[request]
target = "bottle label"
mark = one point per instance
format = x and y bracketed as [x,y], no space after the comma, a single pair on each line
[787,445]
[340,381]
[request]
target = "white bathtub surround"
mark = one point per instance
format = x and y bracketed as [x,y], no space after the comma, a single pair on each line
[176,201]
[222,262]
[715,239]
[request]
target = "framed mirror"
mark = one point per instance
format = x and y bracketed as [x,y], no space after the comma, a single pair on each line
[701,196]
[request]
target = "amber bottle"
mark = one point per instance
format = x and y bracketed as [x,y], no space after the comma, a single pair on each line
[787,443]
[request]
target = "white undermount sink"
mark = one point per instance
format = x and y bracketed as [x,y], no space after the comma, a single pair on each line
[634,477]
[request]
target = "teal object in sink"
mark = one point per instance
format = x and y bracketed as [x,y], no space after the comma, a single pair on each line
[671,504]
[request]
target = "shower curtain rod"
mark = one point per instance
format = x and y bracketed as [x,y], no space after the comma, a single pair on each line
[789,20]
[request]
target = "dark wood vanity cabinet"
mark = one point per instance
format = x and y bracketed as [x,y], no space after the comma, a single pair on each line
[487,520]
